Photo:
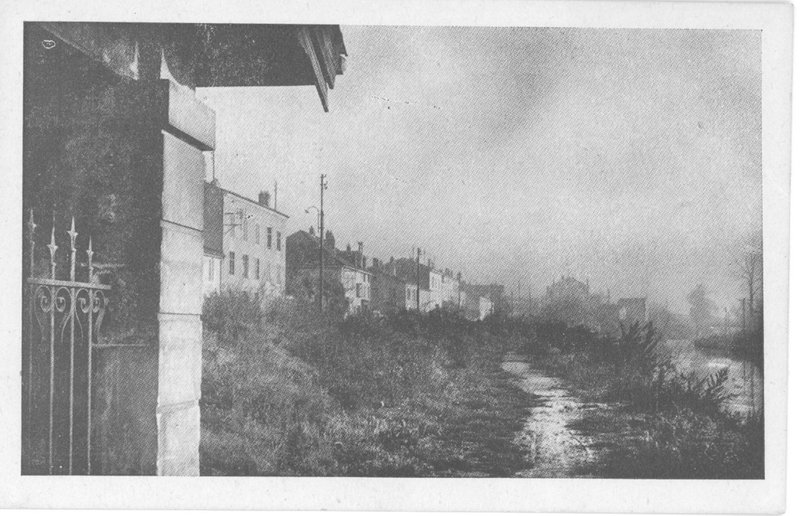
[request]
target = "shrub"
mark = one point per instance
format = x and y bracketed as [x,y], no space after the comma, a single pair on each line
[688,444]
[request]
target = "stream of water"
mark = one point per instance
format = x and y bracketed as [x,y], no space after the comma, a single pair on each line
[558,449]
[745,384]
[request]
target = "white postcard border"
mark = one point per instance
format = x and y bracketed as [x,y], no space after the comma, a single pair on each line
[747,496]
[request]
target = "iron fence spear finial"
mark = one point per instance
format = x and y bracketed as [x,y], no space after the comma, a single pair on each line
[89,254]
[72,235]
[53,247]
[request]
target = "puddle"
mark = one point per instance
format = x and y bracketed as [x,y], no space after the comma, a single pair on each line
[555,449]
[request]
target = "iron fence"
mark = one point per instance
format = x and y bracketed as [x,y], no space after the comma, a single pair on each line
[64,318]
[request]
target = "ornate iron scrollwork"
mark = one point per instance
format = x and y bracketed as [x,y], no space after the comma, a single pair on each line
[68,317]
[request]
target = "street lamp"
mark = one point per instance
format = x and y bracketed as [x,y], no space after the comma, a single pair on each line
[308,210]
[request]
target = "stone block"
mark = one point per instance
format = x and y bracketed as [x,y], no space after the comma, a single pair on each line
[179,358]
[181,270]
[189,115]
[179,440]
[184,183]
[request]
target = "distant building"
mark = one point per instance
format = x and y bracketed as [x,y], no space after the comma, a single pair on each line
[477,308]
[493,292]
[346,267]
[568,287]
[631,310]
[430,282]
[436,286]
[451,290]
[390,292]
[569,300]
[253,247]
[411,296]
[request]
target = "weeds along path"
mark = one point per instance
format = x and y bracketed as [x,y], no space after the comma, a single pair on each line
[479,431]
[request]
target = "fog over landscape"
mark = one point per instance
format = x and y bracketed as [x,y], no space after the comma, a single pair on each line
[631,158]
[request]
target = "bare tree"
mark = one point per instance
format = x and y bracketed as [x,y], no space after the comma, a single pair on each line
[748,266]
[701,310]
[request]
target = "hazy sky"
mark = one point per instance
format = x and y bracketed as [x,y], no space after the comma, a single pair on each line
[631,158]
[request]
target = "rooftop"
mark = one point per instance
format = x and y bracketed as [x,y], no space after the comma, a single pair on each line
[242,197]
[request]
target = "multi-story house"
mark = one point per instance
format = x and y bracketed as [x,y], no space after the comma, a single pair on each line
[451,290]
[253,245]
[429,279]
[436,285]
[391,292]
[347,267]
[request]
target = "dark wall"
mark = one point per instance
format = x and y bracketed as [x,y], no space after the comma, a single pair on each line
[213,214]
[92,147]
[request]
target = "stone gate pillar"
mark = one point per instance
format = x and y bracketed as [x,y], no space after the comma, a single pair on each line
[115,139]
[189,132]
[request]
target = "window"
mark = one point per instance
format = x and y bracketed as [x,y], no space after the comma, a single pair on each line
[245,266]
[231,263]
[278,241]
[358,289]
[269,238]
[258,268]
[258,234]
[210,262]
[244,228]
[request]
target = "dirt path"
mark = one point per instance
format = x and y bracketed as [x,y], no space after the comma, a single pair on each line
[556,447]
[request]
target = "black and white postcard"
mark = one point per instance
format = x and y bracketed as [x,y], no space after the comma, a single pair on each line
[415,256]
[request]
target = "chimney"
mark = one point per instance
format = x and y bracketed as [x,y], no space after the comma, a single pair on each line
[391,259]
[264,198]
[348,249]
[429,262]
[330,241]
[376,263]
[361,248]
[311,230]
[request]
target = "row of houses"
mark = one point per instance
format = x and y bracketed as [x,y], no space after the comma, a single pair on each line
[370,284]
[246,248]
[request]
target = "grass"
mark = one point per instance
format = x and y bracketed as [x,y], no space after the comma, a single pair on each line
[288,392]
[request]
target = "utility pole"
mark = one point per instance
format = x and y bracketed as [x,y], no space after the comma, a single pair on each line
[419,252]
[322,186]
